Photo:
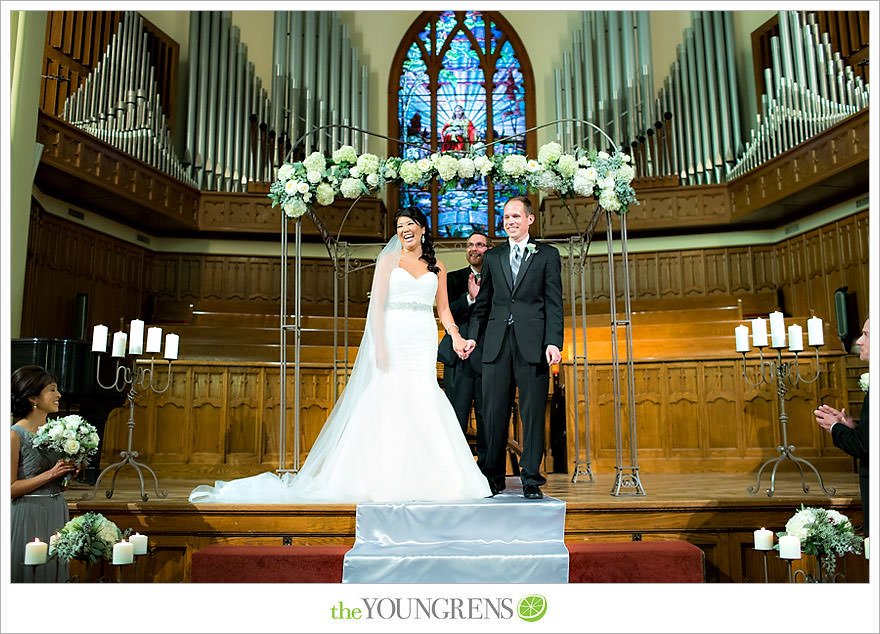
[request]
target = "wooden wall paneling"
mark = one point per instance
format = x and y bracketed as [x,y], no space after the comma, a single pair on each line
[270,439]
[209,415]
[669,274]
[716,277]
[682,413]
[798,303]
[644,282]
[818,297]
[831,268]
[316,397]
[722,417]
[598,280]
[760,416]
[862,225]
[801,401]
[650,403]
[245,406]
[693,273]
[173,424]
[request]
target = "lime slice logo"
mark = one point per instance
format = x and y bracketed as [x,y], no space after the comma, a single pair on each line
[532,608]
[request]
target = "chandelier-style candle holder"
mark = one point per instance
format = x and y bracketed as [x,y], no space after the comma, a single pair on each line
[133,379]
[787,375]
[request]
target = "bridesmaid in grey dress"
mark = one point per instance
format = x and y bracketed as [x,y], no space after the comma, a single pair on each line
[38,506]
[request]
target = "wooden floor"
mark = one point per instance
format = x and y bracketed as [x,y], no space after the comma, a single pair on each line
[714,511]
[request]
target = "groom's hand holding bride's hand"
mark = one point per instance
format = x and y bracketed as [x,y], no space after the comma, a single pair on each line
[463,348]
[554,356]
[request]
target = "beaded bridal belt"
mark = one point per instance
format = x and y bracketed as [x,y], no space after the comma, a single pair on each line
[410,306]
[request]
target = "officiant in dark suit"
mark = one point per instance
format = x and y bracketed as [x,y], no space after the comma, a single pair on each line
[848,435]
[462,379]
[518,320]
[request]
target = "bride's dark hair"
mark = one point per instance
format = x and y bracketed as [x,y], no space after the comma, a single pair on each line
[428,243]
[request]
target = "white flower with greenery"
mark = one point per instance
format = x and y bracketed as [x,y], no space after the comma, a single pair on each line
[823,533]
[863,382]
[345,154]
[69,438]
[89,537]
[590,174]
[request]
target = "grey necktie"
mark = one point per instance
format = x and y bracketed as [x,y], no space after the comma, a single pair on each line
[515,261]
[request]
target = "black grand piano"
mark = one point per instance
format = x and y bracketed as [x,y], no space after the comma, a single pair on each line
[74,363]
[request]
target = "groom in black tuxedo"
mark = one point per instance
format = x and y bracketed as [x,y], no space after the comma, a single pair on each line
[518,320]
[462,378]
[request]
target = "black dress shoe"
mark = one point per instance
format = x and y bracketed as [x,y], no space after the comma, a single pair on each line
[532,492]
[495,486]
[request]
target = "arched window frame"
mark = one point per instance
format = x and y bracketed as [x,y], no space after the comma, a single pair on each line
[433,64]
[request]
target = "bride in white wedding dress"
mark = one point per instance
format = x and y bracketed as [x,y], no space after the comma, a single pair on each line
[392,435]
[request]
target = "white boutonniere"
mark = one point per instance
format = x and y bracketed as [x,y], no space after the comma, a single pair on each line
[863,382]
[532,248]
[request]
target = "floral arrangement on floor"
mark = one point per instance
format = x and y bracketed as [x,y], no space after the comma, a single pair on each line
[863,382]
[71,437]
[579,172]
[823,533]
[89,537]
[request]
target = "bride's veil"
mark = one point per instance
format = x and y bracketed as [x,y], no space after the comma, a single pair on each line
[366,365]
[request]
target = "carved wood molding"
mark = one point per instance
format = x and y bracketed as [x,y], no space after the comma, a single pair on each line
[253,213]
[85,170]
[826,159]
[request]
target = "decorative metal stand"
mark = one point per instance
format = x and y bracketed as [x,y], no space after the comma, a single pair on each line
[787,374]
[577,259]
[806,577]
[132,379]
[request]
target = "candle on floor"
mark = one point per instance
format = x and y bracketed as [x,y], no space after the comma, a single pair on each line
[119,341]
[742,338]
[759,332]
[815,333]
[866,547]
[36,552]
[154,339]
[139,542]
[763,539]
[99,338]
[789,547]
[123,553]
[136,337]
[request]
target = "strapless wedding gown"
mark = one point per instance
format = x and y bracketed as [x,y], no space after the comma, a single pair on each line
[398,440]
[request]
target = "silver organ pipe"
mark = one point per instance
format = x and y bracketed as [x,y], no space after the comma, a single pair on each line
[808,89]
[119,102]
[691,129]
[322,86]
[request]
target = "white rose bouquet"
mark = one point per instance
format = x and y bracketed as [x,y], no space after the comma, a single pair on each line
[89,537]
[823,533]
[71,437]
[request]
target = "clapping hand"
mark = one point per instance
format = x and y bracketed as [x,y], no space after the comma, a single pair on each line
[473,285]
[826,416]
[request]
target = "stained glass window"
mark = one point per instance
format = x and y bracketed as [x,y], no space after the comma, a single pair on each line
[461,84]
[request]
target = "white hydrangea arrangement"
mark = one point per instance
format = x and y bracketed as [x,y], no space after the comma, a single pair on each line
[585,173]
[89,537]
[823,533]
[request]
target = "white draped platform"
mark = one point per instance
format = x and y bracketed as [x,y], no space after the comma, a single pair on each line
[503,539]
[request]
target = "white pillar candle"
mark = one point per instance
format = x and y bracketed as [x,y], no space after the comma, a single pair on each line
[763,539]
[777,330]
[815,332]
[795,338]
[139,542]
[36,552]
[171,343]
[136,337]
[123,553]
[759,332]
[154,339]
[789,547]
[742,338]
[99,338]
[119,340]
[866,548]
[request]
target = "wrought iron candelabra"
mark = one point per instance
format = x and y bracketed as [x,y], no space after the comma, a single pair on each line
[786,375]
[133,379]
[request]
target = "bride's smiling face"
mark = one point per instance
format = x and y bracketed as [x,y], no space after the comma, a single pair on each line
[409,232]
